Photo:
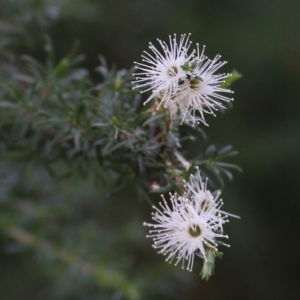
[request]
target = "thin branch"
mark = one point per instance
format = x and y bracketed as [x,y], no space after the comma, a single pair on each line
[106,278]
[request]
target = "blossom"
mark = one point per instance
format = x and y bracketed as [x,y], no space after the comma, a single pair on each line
[205,201]
[200,91]
[182,81]
[190,226]
[162,73]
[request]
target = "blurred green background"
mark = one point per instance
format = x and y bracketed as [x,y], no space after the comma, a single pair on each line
[261,39]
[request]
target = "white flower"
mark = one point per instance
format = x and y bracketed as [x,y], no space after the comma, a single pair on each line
[182,81]
[201,89]
[189,226]
[181,232]
[205,201]
[162,73]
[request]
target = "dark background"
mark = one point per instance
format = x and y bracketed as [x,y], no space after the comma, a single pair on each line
[261,39]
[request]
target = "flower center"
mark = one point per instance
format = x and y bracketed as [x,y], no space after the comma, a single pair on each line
[172,72]
[194,231]
[195,84]
[205,204]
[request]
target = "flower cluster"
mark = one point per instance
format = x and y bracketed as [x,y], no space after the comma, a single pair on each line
[182,80]
[191,226]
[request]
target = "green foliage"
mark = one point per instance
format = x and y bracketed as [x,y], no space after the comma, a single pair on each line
[213,165]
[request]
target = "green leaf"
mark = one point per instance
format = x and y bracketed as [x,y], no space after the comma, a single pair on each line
[18,94]
[186,67]
[154,119]
[235,75]
[209,263]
